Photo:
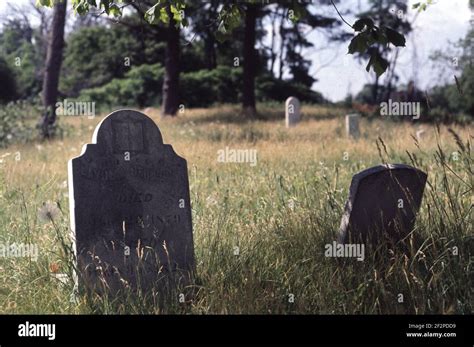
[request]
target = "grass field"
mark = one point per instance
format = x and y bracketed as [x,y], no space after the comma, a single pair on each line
[277,215]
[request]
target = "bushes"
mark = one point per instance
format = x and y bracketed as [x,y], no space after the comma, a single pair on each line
[17,122]
[205,87]
[95,56]
[142,87]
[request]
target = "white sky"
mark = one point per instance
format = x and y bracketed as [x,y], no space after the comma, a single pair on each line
[443,22]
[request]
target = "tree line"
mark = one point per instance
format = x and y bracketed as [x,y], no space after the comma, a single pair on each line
[219,28]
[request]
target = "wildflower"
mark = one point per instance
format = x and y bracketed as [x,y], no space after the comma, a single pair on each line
[48,212]
[54,267]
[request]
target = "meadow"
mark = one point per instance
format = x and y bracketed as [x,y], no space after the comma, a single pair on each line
[260,231]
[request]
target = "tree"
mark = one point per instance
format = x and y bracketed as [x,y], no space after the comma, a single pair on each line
[229,18]
[250,61]
[96,55]
[53,67]
[19,48]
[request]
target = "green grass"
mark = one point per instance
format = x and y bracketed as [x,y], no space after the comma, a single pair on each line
[280,247]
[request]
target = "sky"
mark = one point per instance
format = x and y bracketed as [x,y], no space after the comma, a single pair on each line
[338,74]
[443,22]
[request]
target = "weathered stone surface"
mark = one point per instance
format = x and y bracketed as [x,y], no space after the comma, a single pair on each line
[130,207]
[352,125]
[383,203]
[292,111]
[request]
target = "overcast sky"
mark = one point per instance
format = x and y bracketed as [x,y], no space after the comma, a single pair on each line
[338,73]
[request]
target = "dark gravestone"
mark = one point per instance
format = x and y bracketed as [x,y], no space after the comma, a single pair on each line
[130,207]
[383,203]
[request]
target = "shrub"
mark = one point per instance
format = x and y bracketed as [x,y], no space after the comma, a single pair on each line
[140,87]
[205,87]
[17,122]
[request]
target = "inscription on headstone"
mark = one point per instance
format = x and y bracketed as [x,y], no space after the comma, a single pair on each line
[383,203]
[292,111]
[352,125]
[130,207]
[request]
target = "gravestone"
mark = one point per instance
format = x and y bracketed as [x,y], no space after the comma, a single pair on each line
[420,133]
[292,111]
[352,125]
[130,208]
[383,203]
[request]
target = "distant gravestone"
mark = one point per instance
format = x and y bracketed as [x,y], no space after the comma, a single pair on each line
[383,203]
[292,111]
[130,207]
[420,133]
[352,125]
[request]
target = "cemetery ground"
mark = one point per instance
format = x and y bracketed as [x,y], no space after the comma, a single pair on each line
[260,230]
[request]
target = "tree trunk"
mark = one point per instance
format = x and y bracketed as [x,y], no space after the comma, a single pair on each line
[54,58]
[282,47]
[170,103]
[210,48]
[210,39]
[250,62]
[272,44]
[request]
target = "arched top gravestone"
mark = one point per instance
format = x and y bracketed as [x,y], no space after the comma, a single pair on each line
[130,206]
[383,203]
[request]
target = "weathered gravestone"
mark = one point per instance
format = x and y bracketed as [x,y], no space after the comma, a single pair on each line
[292,111]
[352,125]
[130,207]
[383,202]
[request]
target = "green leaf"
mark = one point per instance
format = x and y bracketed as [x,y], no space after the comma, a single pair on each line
[358,44]
[395,38]
[229,19]
[378,36]
[177,11]
[47,3]
[153,14]
[378,63]
[106,5]
[360,24]
[380,66]
[115,11]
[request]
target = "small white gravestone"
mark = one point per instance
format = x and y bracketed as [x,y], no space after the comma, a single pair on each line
[292,111]
[352,125]
[420,133]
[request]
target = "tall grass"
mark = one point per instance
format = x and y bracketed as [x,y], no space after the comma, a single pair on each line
[260,231]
